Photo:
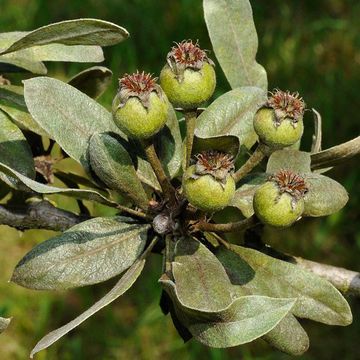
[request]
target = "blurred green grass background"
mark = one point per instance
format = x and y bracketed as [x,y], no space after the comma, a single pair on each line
[306,46]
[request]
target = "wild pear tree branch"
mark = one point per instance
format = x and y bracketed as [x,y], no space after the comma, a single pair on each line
[226,227]
[336,154]
[39,215]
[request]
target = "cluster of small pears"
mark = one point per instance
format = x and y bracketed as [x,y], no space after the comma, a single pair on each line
[140,110]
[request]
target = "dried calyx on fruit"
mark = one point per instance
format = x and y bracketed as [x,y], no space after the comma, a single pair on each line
[208,185]
[140,108]
[280,201]
[279,122]
[188,78]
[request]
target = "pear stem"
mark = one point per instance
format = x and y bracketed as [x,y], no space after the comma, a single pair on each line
[190,119]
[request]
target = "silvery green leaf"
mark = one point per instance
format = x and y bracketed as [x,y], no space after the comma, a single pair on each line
[24,183]
[124,284]
[13,63]
[294,160]
[252,272]
[67,115]
[112,164]
[14,150]
[324,197]
[71,32]
[12,102]
[225,143]
[232,114]
[88,253]
[233,36]
[93,81]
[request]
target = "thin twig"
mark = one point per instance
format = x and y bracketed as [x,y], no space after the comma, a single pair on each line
[336,154]
[228,227]
[155,163]
[252,161]
[133,212]
[190,119]
[346,281]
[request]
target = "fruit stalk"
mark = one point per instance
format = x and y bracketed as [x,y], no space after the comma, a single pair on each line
[190,119]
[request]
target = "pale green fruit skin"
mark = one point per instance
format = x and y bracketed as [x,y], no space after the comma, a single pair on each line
[277,137]
[138,122]
[207,194]
[277,213]
[196,87]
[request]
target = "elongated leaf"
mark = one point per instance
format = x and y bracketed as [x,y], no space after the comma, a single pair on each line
[325,196]
[232,114]
[244,320]
[126,281]
[51,52]
[72,32]
[233,36]
[288,336]
[294,160]
[12,102]
[67,115]
[4,323]
[259,274]
[168,145]
[88,253]
[14,149]
[226,143]
[31,185]
[112,163]
[14,63]
[243,198]
[92,82]
[201,281]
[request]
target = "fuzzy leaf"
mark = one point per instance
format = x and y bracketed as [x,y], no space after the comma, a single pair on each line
[12,102]
[71,32]
[232,114]
[112,163]
[67,115]
[297,161]
[255,273]
[243,198]
[226,143]
[325,196]
[201,281]
[93,81]
[4,323]
[124,284]
[14,63]
[28,184]
[244,320]
[288,336]
[14,149]
[233,36]
[88,253]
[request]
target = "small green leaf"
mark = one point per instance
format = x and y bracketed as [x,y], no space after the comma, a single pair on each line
[71,32]
[233,36]
[255,273]
[12,102]
[93,81]
[112,163]
[232,114]
[325,196]
[88,253]
[297,161]
[14,149]
[124,284]
[67,115]
[4,323]
[28,184]
[288,336]
[225,143]
[15,63]
[243,198]
[200,279]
